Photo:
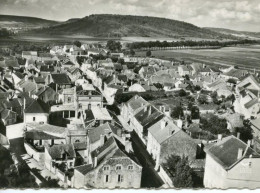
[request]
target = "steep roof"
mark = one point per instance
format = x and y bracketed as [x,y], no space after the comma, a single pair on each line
[94,133]
[61,78]
[225,152]
[251,103]
[38,106]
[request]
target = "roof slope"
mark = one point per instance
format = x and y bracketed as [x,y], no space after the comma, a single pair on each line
[38,106]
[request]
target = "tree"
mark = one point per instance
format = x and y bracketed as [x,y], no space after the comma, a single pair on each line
[182,93]
[214,125]
[177,112]
[180,171]
[158,85]
[50,183]
[132,52]
[114,46]
[195,112]
[148,53]
[203,99]
[246,132]
[77,43]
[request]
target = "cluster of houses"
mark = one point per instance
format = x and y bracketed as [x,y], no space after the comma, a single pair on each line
[59,106]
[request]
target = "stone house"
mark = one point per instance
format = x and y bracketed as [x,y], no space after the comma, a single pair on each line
[231,163]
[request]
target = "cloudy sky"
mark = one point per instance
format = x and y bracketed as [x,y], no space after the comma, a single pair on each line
[233,14]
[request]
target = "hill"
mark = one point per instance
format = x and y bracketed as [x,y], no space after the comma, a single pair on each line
[242,34]
[106,25]
[24,22]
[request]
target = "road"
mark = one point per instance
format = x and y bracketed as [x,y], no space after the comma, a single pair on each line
[150,178]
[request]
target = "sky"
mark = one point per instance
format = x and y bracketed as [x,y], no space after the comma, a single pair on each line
[231,14]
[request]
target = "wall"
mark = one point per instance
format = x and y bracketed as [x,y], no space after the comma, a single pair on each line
[131,178]
[78,179]
[15,131]
[164,176]
[38,156]
[39,117]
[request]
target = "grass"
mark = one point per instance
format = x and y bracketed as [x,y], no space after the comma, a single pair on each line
[245,57]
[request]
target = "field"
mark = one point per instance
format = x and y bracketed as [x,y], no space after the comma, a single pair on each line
[245,57]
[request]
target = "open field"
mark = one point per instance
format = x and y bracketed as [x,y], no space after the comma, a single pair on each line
[245,57]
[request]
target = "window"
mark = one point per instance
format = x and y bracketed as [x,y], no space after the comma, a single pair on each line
[106,177]
[69,99]
[130,167]
[118,167]
[120,178]
[106,168]
[33,118]
[89,106]
[71,164]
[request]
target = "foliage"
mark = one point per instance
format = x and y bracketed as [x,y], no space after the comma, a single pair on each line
[81,59]
[191,43]
[50,183]
[132,52]
[214,125]
[203,99]
[114,46]
[197,88]
[4,33]
[180,171]
[195,112]
[148,53]
[121,61]
[77,43]
[177,112]
[182,93]
[158,85]
[246,132]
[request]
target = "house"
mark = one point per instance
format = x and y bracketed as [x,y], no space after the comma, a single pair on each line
[231,163]
[46,94]
[255,125]
[165,138]
[60,81]
[234,121]
[144,119]
[112,166]
[37,111]
[207,108]
[59,158]
[17,77]
[67,64]
[44,56]
[74,74]
[96,116]
[36,139]
[117,55]
[30,55]
[183,70]
[8,117]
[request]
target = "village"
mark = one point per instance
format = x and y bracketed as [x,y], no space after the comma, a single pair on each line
[96,116]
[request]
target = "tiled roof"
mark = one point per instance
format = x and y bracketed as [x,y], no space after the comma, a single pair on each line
[80,145]
[37,135]
[225,152]
[84,169]
[47,68]
[94,133]
[161,133]
[38,106]
[61,79]
[251,103]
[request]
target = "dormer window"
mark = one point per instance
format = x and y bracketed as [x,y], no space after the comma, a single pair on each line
[130,167]
[118,167]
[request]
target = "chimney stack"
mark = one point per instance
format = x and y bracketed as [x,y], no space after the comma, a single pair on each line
[219,137]
[150,110]
[102,140]
[95,162]
[240,153]
[238,135]
[248,143]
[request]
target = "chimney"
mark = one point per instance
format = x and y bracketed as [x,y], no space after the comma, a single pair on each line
[163,124]
[150,110]
[248,143]
[24,103]
[95,162]
[119,132]
[102,140]
[36,88]
[128,146]
[219,137]
[238,135]
[240,153]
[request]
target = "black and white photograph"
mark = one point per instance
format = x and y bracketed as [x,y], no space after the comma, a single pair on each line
[129,94]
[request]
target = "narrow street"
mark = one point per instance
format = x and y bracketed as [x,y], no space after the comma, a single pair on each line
[150,178]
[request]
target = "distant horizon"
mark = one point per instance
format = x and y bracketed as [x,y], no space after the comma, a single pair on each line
[125,15]
[240,15]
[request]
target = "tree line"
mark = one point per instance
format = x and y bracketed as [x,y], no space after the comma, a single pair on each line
[190,43]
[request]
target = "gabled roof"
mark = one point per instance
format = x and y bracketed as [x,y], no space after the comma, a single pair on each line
[37,135]
[94,133]
[225,152]
[38,106]
[251,103]
[61,78]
